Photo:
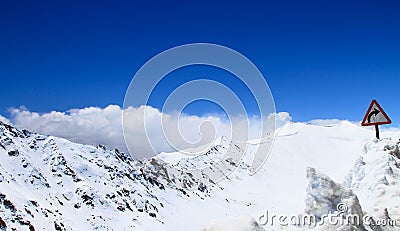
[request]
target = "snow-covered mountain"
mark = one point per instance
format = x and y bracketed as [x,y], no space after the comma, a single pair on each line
[51,183]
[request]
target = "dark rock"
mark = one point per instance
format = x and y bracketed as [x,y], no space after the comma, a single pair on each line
[13,152]
[58,227]
[3,225]
[34,203]
[9,205]
[121,208]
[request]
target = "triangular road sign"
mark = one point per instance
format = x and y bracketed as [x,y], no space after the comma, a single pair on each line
[375,115]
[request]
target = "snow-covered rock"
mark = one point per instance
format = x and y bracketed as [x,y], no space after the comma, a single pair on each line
[324,195]
[375,178]
[326,199]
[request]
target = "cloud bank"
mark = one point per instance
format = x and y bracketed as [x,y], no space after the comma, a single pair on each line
[94,125]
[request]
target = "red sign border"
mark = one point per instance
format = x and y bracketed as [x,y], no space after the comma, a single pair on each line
[382,111]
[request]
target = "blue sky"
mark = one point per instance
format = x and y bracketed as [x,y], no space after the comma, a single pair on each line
[322,59]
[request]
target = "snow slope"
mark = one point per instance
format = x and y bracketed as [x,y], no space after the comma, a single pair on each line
[51,183]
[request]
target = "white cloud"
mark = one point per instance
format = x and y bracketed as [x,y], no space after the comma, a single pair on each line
[281,118]
[94,125]
[327,122]
[90,125]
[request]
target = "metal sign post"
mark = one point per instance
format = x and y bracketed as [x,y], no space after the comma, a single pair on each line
[375,116]
[377,131]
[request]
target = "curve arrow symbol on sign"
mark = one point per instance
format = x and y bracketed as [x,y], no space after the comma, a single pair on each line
[374,112]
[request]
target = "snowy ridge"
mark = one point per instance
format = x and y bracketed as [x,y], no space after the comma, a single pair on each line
[51,183]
